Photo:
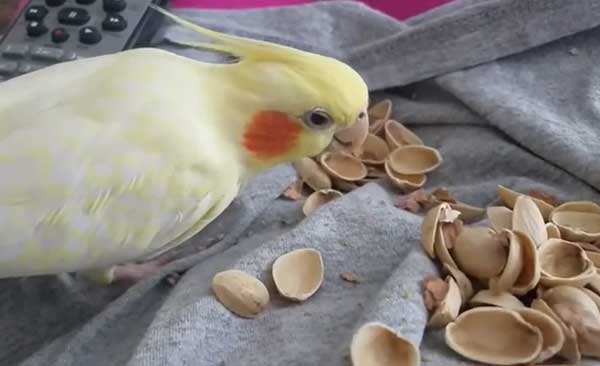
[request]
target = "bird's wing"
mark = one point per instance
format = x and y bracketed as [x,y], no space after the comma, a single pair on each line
[110,166]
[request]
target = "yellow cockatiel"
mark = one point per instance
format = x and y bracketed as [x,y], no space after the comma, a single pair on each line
[118,158]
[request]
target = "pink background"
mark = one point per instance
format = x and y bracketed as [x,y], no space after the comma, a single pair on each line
[400,9]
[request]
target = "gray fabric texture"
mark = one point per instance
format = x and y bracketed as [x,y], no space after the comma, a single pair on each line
[508,91]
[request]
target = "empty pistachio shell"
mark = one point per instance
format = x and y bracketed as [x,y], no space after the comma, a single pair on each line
[440,246]
[343,166]
[479,253]
[514,265]
[464,283]
[241,293]
[577,220]
[531,271]
[502,299]
[494,335]
[500,217]
[414,159]
[553,231]
[509,197]
[578,310]
[570,349]
[298,274]
[528,219]
[564,263]
[396,135]
[376,344]
[374,150]
[429,228]
[353,137]
[449,308]
[403,181]
[318,199]
[380,110]
[468,213]
[552,335]
[312,174]
[376,126]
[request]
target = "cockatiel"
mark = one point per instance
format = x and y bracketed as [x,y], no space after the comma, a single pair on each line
[116,159]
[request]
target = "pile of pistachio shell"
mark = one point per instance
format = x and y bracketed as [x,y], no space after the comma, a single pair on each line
[524,289]
[389,150]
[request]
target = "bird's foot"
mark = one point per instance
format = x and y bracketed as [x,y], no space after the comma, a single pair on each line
[129,274]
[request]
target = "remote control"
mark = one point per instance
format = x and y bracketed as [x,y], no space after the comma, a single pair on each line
[52,31]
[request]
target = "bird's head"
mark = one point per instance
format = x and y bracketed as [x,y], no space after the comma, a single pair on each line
[286,103]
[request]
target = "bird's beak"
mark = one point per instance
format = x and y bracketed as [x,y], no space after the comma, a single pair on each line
[352,138]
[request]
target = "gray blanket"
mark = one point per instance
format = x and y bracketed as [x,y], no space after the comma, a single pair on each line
[507,90]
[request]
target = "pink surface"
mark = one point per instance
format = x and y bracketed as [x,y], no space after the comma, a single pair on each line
[400,9]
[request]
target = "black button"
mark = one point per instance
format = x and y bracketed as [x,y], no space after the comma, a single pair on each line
[36,12]
[114,22]
[73,16]
[85,2]
[59,35]
[55,2]
[36,29]
[89,35]
[113,6]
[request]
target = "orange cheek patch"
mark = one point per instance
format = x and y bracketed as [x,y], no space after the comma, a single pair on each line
[271,134]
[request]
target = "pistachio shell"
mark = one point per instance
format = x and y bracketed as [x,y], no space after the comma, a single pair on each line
[429,228]
[376,126]
[396,135]
[240,292]
[441,248]
[578,310]
[464,283]
[503,299]
[553,231]
[509,197]
[531,271]
[578,206]
[479,253]
[312,174]
[552,335]
[577,226]
[513,267]
[468,213]
[570,349]
[494,335]
[298,274]
[500,217]
[449,308]
[374,150]
[318,199]
[376,344]
[403,181]
[354,137]
[343,166]
[342,185]
[414,159]
[564,263]
[528,219]
[595,283]
[594,296]
[594,257]
[380,110]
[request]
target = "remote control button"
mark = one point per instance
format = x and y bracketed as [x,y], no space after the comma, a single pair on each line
[15,50]
[7,68]
[114,22]
[113,6]
[54,3]
[36,29]
[73,16]
[60,35]
[47,53]
[85,2]
[89,35]
[69,56]
[36,12]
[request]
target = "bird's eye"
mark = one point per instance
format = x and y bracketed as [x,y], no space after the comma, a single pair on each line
[318,118]
[361,115]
